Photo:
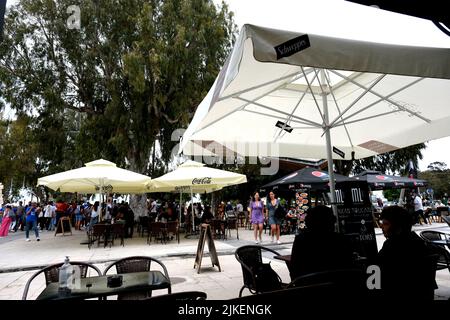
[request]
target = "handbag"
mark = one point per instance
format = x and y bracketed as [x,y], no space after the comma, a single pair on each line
[266,279]
[280,213]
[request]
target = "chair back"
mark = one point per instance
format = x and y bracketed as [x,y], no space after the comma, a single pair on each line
[232,224]
[172,226]
[99,229]
[430,235]
[137,264]
[156,227]
[446,219]
[118,228]
[52,274]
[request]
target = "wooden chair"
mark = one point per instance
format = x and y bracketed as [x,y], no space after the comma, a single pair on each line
[138,264]
[101,233]
[52,274]
[218,228]
[157,229]
[118,231]
[233,224]
[172,227]
[143,225]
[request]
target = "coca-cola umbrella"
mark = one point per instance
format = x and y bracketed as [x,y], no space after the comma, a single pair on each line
[195,177]
[379,181]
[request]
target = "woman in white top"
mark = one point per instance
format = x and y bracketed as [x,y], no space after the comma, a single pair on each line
[95,213]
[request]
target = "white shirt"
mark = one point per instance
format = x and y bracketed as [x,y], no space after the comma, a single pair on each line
[48,211]
[153,207]
[94,213]
[418,204]
[239,207]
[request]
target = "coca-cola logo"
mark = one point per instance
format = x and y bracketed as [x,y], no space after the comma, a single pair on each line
[205,180]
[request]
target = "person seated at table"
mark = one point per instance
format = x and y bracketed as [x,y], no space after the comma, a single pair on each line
[405,260]
[319,247]
[207,215]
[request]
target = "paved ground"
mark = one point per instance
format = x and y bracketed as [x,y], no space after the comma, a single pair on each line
[20,259]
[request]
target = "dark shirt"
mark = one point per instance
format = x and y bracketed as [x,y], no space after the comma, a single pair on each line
[406,268]
[320,251]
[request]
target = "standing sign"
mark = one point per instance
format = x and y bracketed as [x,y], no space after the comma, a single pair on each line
[355,217]
[206,235]
[64,226]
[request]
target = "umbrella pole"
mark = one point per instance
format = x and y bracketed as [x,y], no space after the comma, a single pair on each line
[329,151]
[179,221]
[192,212]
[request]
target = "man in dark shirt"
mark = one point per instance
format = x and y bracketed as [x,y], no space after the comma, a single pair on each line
[405,261]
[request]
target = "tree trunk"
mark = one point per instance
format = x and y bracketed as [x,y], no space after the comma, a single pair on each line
[138,202]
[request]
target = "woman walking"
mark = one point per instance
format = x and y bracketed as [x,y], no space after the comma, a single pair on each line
[274,222]
[6,221]
[257,216]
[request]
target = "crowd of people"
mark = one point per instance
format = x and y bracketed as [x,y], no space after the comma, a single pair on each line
[40,217]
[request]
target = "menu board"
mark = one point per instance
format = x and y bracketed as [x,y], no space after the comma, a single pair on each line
[355,217]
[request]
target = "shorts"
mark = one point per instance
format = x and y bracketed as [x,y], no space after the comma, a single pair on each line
[78,217]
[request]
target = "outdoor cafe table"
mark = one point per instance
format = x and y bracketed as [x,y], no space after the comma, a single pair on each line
[94,287]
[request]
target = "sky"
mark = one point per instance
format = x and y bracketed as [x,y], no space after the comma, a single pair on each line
[339,18]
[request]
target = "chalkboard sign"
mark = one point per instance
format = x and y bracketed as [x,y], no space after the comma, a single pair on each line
[355,217]
[64,226]
[206,235]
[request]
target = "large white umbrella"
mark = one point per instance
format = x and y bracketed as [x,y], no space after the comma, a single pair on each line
[195,177]
[99,176]
[290,94]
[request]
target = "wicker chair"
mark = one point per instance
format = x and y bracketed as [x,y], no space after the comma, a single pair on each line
[52,274]
[250,258]
[138,264]
[443,259]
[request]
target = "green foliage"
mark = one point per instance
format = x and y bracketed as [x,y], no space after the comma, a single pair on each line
[390,162]
[392,194]
[438,177]
[117,87]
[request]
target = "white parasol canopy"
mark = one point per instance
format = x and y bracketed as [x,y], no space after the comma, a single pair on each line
[194,177]
[99,176]
[290,94]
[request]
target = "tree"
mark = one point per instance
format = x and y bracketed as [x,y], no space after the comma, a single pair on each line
[395,161]
[437,166]
[134,71]
[438,177]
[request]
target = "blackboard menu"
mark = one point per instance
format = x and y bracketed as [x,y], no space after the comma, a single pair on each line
[355,217]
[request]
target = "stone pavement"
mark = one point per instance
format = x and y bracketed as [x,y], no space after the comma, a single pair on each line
[20,259]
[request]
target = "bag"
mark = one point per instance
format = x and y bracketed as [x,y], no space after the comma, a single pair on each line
[266,278]
[280,213]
